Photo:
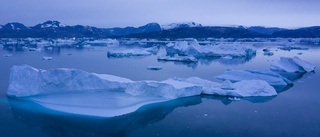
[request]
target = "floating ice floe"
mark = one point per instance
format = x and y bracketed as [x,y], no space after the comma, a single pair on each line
[192,48]
[129,53]
[271,77]
[288,48]
[79,92]
[294,64]
[47,58]
[154,67]
[177,58]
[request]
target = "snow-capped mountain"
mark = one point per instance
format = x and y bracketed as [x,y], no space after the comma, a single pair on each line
[49,24]
[180,25]
[14,26]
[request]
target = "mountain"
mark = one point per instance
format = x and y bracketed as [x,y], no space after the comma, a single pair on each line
[309,32]
[49,24]
[55,29]
[14,26]
[201,32]
[265,30]
[151,27]
[180,25]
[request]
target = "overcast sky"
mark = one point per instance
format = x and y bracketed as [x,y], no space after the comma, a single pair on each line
[121,13]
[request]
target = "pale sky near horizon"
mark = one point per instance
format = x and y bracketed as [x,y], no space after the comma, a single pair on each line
[122,13]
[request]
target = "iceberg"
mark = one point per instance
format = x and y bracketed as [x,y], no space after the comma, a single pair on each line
[129,53]
[288,48]
[270,77]
[193,48]
[47,58]
[79,92]
[178,58]
[294,64]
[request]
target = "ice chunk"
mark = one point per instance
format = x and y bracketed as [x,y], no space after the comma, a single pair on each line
[128,53]
[178,58]
[192,48]
[294,64]
[47,58]
[270,77]
[288,48]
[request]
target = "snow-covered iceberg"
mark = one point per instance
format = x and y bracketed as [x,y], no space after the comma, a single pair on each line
[271,77]
[193,48]
[294,64]
[80,92]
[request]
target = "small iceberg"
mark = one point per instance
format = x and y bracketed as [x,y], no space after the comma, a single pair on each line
[178,58]
[288,48]
[128,53]
[294,64]
[193,48]
[47,58]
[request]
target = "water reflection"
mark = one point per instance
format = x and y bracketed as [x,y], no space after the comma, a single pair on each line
[76,125]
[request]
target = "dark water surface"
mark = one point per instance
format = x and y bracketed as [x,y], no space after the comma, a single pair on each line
[293,113]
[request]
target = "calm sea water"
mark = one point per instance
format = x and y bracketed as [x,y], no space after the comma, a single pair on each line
[294,112]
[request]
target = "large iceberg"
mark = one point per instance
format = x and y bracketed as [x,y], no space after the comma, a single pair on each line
[28,81]
[271,77]
[80,92]
[294,64]
[193,48]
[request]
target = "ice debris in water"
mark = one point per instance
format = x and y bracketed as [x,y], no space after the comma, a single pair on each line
[271,77]
[28,81]
[294,64]
[129,53]
[193,48]
[288,48]
[177,58]
[47,58]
